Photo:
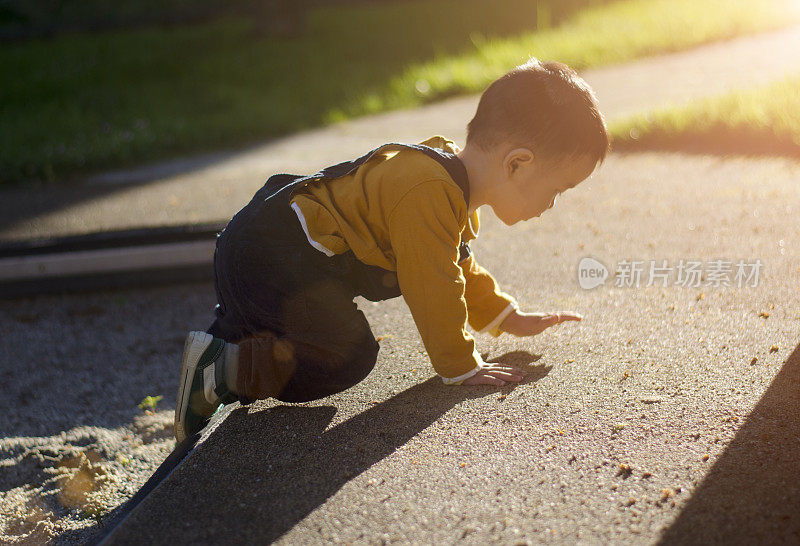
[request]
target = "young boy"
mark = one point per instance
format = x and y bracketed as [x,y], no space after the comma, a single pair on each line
[396,221]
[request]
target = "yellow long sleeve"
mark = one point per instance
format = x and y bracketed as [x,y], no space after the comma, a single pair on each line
[425,234]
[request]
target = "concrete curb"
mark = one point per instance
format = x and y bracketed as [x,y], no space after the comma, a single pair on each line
[170,464]
[174,460]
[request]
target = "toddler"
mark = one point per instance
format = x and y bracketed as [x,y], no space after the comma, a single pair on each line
[396,221]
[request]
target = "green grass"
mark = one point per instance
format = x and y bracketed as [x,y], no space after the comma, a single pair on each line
[84,102]
[762,121]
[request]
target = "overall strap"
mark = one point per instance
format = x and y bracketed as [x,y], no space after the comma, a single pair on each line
[454,166]
[458,172]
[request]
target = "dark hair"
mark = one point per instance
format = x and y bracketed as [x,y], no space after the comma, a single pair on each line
[544,106]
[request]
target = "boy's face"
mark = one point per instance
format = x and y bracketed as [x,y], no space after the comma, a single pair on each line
[530,187]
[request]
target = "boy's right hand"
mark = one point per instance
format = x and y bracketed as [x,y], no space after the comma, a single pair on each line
[495,374]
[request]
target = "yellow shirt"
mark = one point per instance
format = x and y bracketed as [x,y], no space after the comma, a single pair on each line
[402,211]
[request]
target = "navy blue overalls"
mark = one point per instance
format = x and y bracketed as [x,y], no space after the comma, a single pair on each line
[289,306]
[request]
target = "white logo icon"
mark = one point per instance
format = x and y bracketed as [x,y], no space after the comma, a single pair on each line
[591,273]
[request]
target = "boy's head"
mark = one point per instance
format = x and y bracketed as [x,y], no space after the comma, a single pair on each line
[541,132]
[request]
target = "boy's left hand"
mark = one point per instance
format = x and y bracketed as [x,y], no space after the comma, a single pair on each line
[529,324]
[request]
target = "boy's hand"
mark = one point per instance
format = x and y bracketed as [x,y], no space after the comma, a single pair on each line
[495,374]
[529,324]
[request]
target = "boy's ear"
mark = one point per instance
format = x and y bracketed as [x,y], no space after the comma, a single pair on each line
[515,159]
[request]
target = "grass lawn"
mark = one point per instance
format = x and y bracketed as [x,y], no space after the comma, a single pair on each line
[762,121]
[83,102]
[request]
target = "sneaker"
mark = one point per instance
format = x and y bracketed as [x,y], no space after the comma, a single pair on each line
[193,411]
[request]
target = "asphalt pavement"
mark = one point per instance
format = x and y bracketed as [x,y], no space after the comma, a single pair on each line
[669,414]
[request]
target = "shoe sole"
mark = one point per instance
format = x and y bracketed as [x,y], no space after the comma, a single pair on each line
[194,347]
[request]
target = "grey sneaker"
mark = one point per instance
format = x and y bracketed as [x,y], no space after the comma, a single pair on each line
[193,411]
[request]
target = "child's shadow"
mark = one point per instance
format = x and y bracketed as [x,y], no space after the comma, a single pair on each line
[263,472]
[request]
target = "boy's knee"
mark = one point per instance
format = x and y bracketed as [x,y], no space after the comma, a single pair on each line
[369,351]
[360,364]
[355,358]
[361,352]
[331,371]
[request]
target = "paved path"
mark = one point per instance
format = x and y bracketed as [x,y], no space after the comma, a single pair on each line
[215,187]
[649,419]
[605,441]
